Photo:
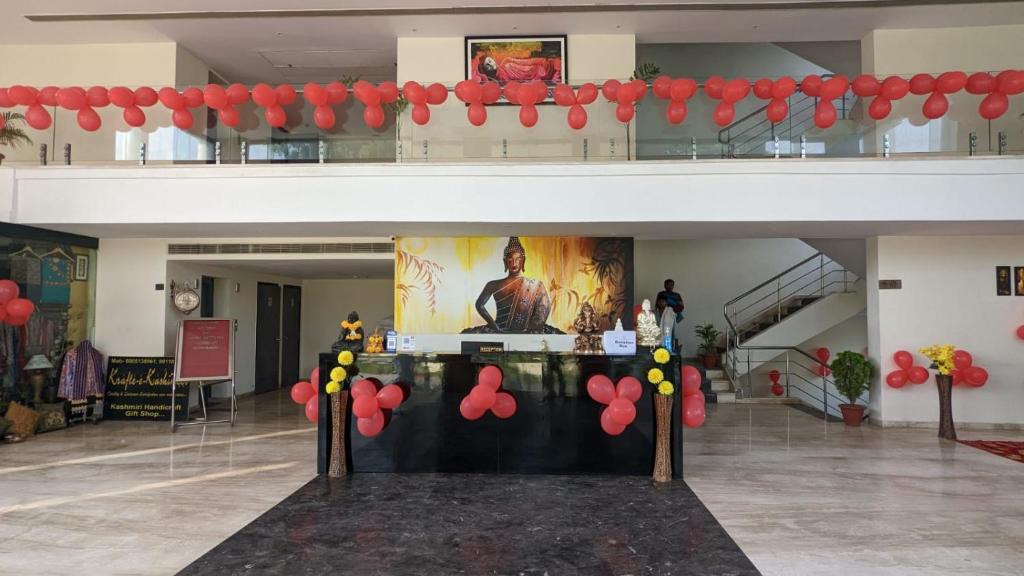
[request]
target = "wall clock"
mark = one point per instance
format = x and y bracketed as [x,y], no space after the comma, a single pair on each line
[185,298]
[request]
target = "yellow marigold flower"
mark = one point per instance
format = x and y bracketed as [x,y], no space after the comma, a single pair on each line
[655,375]
[346,358]
[666,388]
[333,387]
[338,374]
[661,356]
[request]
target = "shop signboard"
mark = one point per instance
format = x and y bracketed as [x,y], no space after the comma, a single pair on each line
[140,388]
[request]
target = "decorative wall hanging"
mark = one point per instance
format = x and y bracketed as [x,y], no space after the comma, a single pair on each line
[505,59]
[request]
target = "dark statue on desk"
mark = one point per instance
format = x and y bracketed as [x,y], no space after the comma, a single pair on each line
[351,336]
[589,340]
[522,304]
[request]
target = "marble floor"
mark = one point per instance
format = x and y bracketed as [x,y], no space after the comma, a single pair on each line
[797,495]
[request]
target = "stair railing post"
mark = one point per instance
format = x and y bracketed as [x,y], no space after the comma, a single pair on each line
[778,300]
[750,385]
[821,275]
[788,369]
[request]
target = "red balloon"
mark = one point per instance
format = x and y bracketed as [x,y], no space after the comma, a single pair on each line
[365,406]
[917,374]
[388,92]
[610,89]
[170,98]
[22,95]
[894,88]
[626,93]
[193,97]
[20,307]
[8,291]
[958,376]
[714,86]
[390,396]
[1010,82]
[823,370]
[482,397]
[962,359]
[903,359]
[693,414]
[134,116]
[662,87]
[38,117]
[5,99]
[724,113]
[639,89]
[981,83]
[811,85]
[922,84]
[315,94]
[774,375]
[145,96]
[48,96]
[896,378]
[477,114]
[622,411]
[436,94]
[783,88]
[88,119]
[228,115]
[313,409]
[624,111]
[71,99]
[1020,332]
[490,376]
[16,320]
[994,105]
[301,392]
[528,115]
[275,116]
[629,388]
[314,378]
[512,92]
[691,380]
[237,94]
[121,97]
[420,114]
[336,93]
[372,426]
[601,389]
[777,110]
[323,116]
[563,95]
[880,107]
[823,354]
[682,89]
[470,412]
[735,90]
[976,376]
[215,96]
[763,88]
[777,389]
[586,94]
[490,92]
[364,387]
[263,95]
[834,88]
[609,425]
[676,112]
[935,106]
[504,405]
[577,117]
[950,82]
[825,114]
[414,92]
[3,313]
[286,94]
[97,97]
[866,85]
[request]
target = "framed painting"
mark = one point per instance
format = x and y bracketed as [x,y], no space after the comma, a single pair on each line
[81,267]
[504,59]
[1018,281]
[1004,286]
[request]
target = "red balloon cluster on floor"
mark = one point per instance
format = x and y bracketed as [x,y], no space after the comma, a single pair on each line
[907,372]
[14,311]
[619,399]
[487,395]
[694,403]
[370,402]
[776,389]
[304,393]
[965,372]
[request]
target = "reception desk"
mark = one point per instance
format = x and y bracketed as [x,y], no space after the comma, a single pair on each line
[556,428]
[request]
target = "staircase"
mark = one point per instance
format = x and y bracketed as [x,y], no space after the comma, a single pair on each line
[766,324]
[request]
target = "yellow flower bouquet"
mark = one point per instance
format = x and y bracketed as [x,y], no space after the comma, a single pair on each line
[941,356]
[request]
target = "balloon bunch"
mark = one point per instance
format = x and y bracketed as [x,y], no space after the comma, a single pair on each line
[729,93]
[937,104]
[776,388]
[179,103]
[694,410]
[527,96]
[825,91]
[907,371]
[884,92]
[485,396]
[998,88]
[84,102]
[966,372]
[14,311]
[627,95]
[576,100]
[420,97]
[477,95]
[370,400]
[36,115]
[305,393]
[619,400]
[322,98]
[823,354]
[133,101]
[374,98]
[777,93]
[677,92]
[224,100]
[1020,331]
[272,100]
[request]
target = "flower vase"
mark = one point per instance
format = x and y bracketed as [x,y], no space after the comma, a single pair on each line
[944,383]
[662,455]
[339,423]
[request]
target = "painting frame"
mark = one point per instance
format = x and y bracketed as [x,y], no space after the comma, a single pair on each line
[1018,280]
[81,267]
[473,44]
[1004,281]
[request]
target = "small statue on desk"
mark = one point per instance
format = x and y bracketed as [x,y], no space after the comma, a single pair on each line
[351,336]
[588,339]
[375,343]
[648,333]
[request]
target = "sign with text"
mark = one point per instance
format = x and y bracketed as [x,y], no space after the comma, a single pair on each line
[205,349]
[140,389]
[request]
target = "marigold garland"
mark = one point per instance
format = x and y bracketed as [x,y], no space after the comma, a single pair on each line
[655,376]
[665,388]
[661,356]
[346,358]
[338,374]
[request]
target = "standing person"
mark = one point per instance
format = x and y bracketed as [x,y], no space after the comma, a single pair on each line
[673,299]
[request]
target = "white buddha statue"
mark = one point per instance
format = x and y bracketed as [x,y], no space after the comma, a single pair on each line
[648,333]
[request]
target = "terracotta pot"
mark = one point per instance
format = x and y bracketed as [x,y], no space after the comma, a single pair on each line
[710,361]
[853,414]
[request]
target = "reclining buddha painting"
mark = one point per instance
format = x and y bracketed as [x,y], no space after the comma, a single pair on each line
[519,59]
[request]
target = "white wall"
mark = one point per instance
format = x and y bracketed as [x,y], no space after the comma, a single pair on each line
[129,309]
[325,303]
[708,273]
[948,297]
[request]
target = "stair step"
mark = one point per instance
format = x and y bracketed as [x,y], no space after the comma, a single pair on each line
[715,374]
[772,400]
[726,397]
[721,385]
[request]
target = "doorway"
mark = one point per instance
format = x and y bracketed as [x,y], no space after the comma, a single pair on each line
[291,314]
[268,337]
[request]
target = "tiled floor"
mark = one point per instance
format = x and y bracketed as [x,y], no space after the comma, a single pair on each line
[797,495]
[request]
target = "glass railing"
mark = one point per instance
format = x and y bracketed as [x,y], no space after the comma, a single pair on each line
[449,137]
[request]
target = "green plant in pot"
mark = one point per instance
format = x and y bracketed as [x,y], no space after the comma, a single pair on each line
[11,133]
[852,374]
[708,348]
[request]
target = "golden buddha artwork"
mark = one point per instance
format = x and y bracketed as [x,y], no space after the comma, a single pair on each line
[510,285]
[648,332]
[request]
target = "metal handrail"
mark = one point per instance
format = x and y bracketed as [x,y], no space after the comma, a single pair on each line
[790,283]
[772,279]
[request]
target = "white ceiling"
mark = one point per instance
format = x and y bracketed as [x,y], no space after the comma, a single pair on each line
[305,268]
[244,47]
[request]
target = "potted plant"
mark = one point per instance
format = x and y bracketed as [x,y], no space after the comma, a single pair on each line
[852,373]
[10,133]
[708,349]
